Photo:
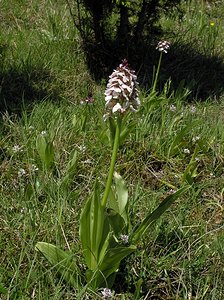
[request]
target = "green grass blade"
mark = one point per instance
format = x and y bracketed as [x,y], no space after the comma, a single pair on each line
[41,145]
[3,290]
[49,155]
[152,217]
[126,131]
[70,169]
[179,137]
[62,261]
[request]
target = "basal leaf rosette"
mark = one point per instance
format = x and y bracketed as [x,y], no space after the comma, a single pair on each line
[121,94]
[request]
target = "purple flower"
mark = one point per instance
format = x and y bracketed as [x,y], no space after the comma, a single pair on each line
[88,100]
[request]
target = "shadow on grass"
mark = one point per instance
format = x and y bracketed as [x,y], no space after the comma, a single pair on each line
[202,75]
[22,85]
[19,88]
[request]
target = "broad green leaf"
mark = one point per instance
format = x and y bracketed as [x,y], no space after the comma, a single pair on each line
[62,261]
[107,242]
[116,221]
[45,150]
[122,195]
[109,265]
[152,217]
[118,197]
[112,201]
[113,258]
[94,229]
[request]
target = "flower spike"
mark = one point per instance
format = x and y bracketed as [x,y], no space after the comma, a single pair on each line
[121,93]
[163,46]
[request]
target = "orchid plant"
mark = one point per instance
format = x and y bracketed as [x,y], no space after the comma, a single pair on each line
[106,234]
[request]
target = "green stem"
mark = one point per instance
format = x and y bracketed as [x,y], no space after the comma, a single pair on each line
[157,72]
[112,163]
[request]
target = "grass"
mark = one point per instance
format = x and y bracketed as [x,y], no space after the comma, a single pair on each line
[43,79]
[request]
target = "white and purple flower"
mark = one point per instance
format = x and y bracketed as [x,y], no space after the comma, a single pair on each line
[106,293]
[163,46]
[121,93]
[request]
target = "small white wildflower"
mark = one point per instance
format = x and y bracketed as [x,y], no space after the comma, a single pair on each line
[23,210]
[189,295]
[34,168]
[173,108]
[193,109]
[88,100]
[21,172]
[186,151]
[121,93]
[43,133]
[172,191]
[17,148]
[197,158]
[163,46]
[195,139]
[82,148]
[106,293]
[47,34]
[124,238]
[88,161]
